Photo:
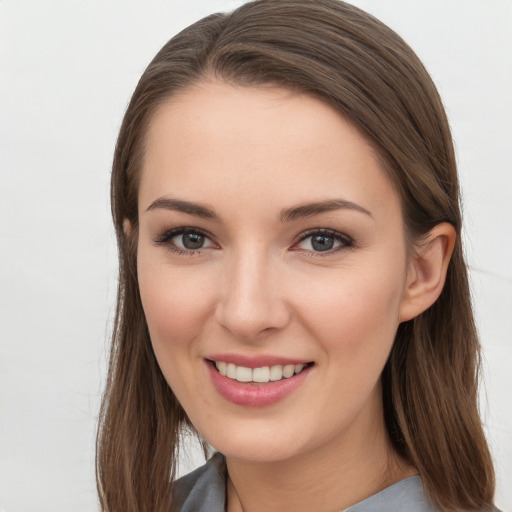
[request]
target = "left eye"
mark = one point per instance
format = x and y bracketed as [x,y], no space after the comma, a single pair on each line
[323,241]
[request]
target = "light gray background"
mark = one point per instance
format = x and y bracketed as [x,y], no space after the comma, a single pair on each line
[67,70]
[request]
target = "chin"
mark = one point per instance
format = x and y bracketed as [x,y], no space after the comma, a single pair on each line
[262,452]
[257,444]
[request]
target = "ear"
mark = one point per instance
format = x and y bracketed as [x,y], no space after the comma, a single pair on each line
[127,227]
[427,271]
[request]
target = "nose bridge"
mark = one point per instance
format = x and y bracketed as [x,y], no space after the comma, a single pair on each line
[251,301]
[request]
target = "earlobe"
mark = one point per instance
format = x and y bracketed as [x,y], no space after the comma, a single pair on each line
[427,271]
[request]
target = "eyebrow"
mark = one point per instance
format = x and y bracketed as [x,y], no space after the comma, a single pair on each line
[183,206]
[310,209]
[287,215]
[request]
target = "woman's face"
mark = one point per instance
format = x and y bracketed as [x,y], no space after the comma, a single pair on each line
[272,243]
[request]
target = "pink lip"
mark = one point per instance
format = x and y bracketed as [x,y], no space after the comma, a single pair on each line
[252,394]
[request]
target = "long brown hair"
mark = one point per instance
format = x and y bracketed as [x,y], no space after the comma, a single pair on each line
[365,71]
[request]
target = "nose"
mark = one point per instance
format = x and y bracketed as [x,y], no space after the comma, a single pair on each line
[251,302]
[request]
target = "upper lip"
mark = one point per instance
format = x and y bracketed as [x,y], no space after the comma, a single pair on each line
[256,361]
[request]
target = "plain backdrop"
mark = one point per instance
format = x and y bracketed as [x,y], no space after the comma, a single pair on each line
[68,68]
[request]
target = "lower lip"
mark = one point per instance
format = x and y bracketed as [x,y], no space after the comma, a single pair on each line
[255,394]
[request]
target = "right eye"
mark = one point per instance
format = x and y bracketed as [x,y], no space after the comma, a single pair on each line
[185,240]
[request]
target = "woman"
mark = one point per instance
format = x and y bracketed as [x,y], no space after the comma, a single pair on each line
[292,282]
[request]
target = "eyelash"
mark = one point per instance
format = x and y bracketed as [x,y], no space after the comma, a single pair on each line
[165,240]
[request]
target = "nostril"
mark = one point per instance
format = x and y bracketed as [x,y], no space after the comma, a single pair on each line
[249,321]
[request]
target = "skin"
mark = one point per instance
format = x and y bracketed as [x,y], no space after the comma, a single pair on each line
[259,287]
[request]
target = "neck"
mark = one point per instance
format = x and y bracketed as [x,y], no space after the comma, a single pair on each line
[330,478]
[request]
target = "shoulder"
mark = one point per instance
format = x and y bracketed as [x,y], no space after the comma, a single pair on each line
[404,496]
[202,490]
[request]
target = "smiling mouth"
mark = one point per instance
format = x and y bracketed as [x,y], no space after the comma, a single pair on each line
[259,375]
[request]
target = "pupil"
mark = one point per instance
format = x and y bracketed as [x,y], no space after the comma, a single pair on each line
[322,242]
[192,240]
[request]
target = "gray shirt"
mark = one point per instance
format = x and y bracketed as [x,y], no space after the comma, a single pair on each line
[204,490]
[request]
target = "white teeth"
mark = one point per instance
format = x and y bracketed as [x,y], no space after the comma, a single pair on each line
[222,367]
[288,370]
[263,374]
[243,374]
[231,371]
[276,373]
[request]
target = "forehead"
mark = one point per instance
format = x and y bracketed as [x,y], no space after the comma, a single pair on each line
[215,137]
[250,112]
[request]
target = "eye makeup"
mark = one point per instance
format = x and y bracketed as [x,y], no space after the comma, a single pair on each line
[187,240]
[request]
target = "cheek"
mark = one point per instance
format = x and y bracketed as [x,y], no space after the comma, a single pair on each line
[354,316]
[176,309]
[176,305]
